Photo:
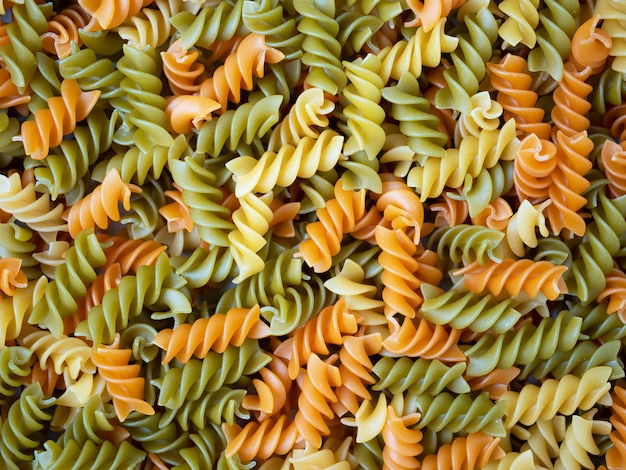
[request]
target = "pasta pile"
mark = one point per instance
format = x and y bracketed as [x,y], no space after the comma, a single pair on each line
[313,234]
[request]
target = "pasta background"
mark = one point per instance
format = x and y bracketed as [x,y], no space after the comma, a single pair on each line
[338,234]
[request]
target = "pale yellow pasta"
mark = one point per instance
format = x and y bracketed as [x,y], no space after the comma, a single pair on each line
[521,229]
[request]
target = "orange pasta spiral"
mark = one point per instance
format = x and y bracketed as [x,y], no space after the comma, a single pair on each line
[109,14]
[316,392]
[495,383]
[401,284]
[271,437]
[429,12]
[213,333]
[11,276]
[613,159]
[9,94]
[130,254]
[570,101]
[615,119]
[420,338]
[328,327]
[95,209]
[355,367]
[247,61]
[182,69]
[515,276]
[342,215]
[401,206]
[536,159]
[473,451]
[615,292]
[616,455]
[272,389]
[450,212]
[177,213]
[63,31]
[510,79]
[122,380]
[591,46]
[50,125]
[402,441]
[495,216]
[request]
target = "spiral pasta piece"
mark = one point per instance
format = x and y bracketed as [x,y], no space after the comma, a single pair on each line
[107,16]
[520,24]
[579,442]
[63,30]
[214,333]
[184,74]
[100,205]
[613,14]
[74,455]
[515,276]
[473,451]
[248,60]
[272,389]
[523,346]
[570,101]
[513,83]
[271,437]
[520,231]
[130,254]
[15,369]
[313,402]
[309,156]
[615,455]
[60,118]
[613,158]
[17,308]
[615,293]
[562,396]
[429,12]
[11,277]
[402,441]
[150,26]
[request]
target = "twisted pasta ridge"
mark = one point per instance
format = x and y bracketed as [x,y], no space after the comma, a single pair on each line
[90,421]
[615,293]
[109,16]
[362,112]
[402,441]
[554,36]
[100,205]
[585,355]
[461,310]
[150,26]
[122,380]
[239,128]
[62,172]
[130,254]
[473,451]
[512,82]
[252,221]
[289,163]
[562,396]
[343,214]
[266,18]
[204,266]
[76,455]
[400,206]
[495,383]
[515,276]
[489,185]
[63,30]
[412,111]
[514,461]
[210,25]
[305,117]
[11,277]
[462,412]
[25,418]
[67,354]
[328,327]
[613,158]
[155,286]
[196,377]
[270,437]
[523,346]
[468,243]
[615,455]
[146,123]
[15,368]
[522,18]
[93,73]
[314,398]
[354,368]
[419,376]
[597,323]
[214,333]
[70,283]
[535,161]
[594,259]
[429,12]
[320,45]
[247,61]
[17,308]
[204,200]
[9,94]
[520,230]
[399,276]
[272,389]
[579,441]
[423,49]
[469,59]
[613,15]
[59,119]
[184,73]
[451,211]
[473,155]
[23,34]
[423,340]
[570,100]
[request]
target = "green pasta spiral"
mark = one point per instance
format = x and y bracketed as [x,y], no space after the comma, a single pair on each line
[204,266]
[15,365]
[467,243]
[489,184]
[77,456]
